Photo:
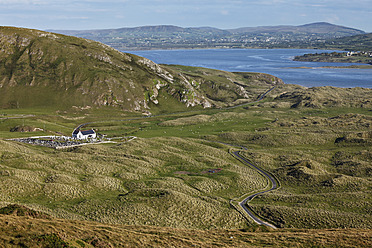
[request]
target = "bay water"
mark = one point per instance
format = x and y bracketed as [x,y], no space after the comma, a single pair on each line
[277,62]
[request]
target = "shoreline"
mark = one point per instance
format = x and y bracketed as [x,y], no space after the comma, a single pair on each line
[363,67]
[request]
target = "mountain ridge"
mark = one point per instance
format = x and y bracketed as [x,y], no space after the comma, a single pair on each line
[315,27]
[320,25]
[175,37]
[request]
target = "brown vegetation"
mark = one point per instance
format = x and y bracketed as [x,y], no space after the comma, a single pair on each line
[25,231]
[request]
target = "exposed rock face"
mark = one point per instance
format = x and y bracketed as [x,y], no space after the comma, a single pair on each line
[157,69]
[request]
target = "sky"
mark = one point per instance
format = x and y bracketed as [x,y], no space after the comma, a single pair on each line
[106,14]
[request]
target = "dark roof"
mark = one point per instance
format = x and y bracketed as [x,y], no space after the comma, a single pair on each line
[87,132]
[76,131]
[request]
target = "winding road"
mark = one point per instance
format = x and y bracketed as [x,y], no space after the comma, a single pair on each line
[270,178]
[243,204]
[236,154]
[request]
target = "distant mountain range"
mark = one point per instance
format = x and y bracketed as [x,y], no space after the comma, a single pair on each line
[173,37]
[312,28]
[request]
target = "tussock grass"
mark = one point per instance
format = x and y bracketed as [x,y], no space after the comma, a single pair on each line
[321,157]
[33,232]
[134,183]
[198,119]
[60,192]
[302,217]
[327,96]
[323,162]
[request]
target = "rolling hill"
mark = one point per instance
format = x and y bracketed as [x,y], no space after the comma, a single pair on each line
[361,42]
[170,37]
[312,28]
[46,69]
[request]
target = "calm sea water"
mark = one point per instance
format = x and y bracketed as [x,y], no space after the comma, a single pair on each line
[277,62]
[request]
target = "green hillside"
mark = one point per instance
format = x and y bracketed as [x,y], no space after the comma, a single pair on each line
[360,45]
[315,141]
[361,42]
[45,69]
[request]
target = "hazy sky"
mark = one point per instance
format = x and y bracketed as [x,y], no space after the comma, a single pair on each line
[101,14]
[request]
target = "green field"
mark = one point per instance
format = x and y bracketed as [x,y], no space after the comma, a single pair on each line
[321,156]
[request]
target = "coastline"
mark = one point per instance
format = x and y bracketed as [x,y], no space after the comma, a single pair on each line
[363,66]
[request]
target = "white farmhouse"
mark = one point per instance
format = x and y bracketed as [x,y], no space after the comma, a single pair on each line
[87,134]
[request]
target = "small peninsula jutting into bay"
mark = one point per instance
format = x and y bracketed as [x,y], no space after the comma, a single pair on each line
[362,57]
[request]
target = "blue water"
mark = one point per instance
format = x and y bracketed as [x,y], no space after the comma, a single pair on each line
[277,62]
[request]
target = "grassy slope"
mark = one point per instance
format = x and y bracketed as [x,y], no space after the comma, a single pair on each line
[102,183]
[41,69]
[362,42]
[16,231]
[44,69]
[142,179]
[324,184]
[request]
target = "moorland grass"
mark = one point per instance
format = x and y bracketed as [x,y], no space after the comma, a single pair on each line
[35,232]
[138,182]
[104,182]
